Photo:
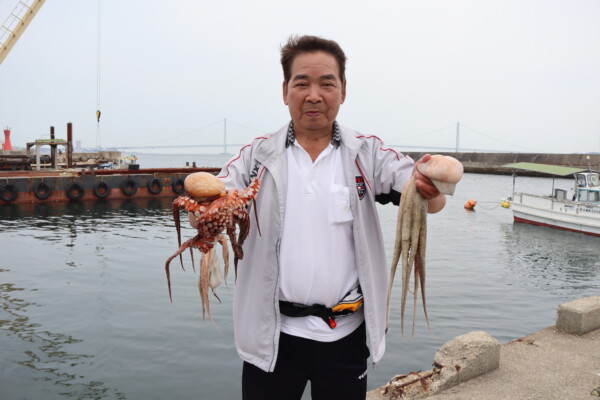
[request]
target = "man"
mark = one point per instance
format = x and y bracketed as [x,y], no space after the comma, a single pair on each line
[320,244]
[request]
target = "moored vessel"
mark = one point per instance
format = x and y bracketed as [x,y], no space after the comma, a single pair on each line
[90,184]
[579,213]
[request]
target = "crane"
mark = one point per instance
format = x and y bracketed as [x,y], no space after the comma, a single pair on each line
[16,23]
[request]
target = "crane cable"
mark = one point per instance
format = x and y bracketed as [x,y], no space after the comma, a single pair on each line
[98,113]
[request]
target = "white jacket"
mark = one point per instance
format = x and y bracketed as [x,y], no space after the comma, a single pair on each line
[373,172]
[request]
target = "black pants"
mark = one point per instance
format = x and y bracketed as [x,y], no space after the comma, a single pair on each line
[336,370]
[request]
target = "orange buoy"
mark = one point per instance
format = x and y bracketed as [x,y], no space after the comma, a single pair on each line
[470,205]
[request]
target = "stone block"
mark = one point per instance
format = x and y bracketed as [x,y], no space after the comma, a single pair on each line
[466,357]
[579,316]
[462,358]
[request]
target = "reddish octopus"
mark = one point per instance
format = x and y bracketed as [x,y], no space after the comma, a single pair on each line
[215,210]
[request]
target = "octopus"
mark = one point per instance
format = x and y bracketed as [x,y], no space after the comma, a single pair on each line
[216,211]
[411,229]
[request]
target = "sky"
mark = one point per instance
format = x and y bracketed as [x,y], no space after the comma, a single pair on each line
[510,75]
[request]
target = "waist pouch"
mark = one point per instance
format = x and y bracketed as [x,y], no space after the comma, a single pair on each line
[352,302]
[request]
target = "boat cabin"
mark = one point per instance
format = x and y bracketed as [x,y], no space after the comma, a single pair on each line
[587,187]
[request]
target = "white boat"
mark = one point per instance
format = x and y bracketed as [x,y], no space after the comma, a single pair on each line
[580,213]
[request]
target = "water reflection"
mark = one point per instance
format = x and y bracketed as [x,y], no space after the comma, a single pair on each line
[100,208]
[552,260]
[43,354]
[74,217]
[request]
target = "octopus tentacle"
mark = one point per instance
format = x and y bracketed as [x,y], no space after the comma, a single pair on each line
[419,219]
[237,249]
[215,279]
[405,238]
[420,267]
[175,207]
[192,257]
[181,249]
[189,205]
[395,257]
[203,282]
[223,241]
[250,194]
[244,224]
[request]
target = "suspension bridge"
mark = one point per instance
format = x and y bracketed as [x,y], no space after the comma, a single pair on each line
[227,146]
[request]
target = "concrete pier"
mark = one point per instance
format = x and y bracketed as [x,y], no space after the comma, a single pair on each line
[560,362]
[492,163]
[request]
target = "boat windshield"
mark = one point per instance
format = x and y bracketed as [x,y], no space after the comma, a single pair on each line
[593,180]
[581,180]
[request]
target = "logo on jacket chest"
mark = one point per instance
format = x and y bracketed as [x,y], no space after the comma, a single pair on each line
[361,188]
[255,169]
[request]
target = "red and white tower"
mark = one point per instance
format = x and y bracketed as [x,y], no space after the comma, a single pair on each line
[6,145]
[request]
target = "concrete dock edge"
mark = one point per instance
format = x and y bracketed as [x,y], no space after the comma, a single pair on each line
[558,362]
[579,316]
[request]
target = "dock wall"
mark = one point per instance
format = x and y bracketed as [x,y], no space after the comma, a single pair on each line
[491,163]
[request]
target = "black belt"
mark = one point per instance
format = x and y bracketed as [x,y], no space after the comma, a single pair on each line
[352,302]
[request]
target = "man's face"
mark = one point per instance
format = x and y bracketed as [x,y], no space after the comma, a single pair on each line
[314,93]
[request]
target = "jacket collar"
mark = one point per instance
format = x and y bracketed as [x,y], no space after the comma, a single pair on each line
[346,139]
[336,139]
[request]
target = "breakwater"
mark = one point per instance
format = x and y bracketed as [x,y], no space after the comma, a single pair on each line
[492,163]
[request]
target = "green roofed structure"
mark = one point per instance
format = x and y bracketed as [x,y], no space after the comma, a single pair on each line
[545,168]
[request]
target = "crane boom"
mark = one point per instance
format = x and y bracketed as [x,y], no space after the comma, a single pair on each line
[16,23]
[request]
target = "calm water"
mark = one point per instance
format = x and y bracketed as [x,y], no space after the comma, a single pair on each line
[85,312]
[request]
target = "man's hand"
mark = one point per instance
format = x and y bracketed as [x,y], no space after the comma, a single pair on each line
[424,185]
[427,189]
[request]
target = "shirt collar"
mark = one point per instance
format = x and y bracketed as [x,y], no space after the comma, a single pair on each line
[336,138]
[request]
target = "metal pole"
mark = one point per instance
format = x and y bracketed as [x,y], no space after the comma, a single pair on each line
[69,145]
[457,136]
[37,156]
[53,160]
[514,177]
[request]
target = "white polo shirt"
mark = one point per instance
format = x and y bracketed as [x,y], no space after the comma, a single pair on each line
[318,264]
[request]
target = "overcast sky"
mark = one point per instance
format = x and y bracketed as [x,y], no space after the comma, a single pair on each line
[519,75]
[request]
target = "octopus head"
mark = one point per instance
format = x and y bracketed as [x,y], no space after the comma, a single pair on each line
[444,172]
[203,186]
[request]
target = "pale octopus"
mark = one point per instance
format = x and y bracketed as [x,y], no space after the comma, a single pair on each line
[214,210]
[411,229]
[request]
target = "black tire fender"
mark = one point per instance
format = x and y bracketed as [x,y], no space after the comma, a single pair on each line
[102,190]
[129,187]
[8,192]
[178,186]
[41,190]
[155,186]
[74,191]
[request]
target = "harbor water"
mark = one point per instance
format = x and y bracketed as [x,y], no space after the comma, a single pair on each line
[85,312]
